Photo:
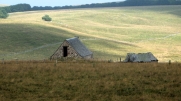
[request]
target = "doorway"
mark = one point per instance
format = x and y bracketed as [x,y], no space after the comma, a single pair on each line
[65,53]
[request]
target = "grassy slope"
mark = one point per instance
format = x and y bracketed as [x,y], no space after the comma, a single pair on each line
[89,81]
[2,5]
[116,31]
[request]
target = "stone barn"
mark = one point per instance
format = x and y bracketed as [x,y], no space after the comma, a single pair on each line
[72,47]
[140,57]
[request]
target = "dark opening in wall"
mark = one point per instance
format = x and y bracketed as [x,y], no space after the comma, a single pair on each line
[65,53]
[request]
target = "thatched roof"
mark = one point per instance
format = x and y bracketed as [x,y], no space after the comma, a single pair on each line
[79,47]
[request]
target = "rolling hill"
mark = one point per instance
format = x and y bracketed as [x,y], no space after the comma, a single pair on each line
[110,33]
[2,5]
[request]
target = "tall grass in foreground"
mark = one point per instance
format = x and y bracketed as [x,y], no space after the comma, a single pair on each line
[89,81]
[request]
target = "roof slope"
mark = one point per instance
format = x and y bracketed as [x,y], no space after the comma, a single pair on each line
[79,47]
[146,57]
[140,57]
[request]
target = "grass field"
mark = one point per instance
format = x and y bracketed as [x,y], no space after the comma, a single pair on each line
[89,81]
[2,5]
[110,33]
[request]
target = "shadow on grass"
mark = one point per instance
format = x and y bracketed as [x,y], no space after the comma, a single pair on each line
[25,41]
[19,40]
[23,36]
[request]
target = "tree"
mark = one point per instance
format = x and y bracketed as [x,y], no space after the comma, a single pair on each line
[46,18]
[20,8]
[3,13]
[7,9]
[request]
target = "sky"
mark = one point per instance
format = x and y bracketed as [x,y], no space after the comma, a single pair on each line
[54,2]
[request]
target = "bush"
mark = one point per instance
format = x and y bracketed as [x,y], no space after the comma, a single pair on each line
[46,18]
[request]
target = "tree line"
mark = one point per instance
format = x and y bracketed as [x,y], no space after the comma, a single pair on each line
[26,7]
[114,4]
[14,8]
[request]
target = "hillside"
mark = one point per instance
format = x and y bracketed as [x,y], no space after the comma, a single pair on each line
[109,32]
[2,5]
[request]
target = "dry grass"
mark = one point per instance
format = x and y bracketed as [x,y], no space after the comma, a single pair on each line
[3,5]
[117,31]
[89,81]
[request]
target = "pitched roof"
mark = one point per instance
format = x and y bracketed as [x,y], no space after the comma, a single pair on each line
[79,47]
[140,57]
[146,57]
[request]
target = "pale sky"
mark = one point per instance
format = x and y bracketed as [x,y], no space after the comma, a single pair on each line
[54,2]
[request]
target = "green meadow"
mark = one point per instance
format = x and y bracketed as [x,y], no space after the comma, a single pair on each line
[110,33]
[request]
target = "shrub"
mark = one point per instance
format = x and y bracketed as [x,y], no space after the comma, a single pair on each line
[46,18]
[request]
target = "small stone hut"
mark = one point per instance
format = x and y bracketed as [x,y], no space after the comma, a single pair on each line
[140,57]
[72,47]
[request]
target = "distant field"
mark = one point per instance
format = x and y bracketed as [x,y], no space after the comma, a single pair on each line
[89,81]
[2,5]
[110,33]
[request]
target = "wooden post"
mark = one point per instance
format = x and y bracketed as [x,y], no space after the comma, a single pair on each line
[55,63]
[16,60]
[169,62]
[120,59]
[3,60]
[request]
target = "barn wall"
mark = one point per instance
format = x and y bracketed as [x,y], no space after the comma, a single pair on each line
[70,50]
[88,57]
